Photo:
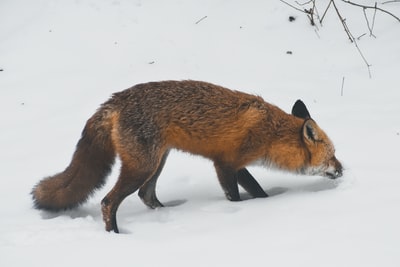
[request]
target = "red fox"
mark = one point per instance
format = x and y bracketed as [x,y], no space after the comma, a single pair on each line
[143,123]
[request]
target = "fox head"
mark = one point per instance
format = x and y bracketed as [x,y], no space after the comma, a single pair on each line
[322,160]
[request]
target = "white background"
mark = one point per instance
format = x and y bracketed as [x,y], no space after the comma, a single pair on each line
[62,59]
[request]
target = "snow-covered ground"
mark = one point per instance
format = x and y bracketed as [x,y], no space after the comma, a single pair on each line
[60,59]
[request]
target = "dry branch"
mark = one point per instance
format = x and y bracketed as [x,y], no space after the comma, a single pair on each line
[200,20]
[372,7]
[312,13]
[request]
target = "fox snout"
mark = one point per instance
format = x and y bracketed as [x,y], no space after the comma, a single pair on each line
[335,169]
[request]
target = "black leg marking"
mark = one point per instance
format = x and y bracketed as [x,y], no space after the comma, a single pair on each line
[228,179]
[247,181]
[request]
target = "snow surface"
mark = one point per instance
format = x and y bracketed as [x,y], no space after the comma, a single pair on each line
[61,59]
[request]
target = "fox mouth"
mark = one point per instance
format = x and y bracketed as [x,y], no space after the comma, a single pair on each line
[333,175]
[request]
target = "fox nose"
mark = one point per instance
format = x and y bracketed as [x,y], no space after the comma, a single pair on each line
[335,174]
[338,172]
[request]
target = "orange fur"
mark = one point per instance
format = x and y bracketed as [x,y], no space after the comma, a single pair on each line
[143,123]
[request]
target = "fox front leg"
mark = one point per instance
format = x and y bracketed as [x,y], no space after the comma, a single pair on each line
[247,181]
[228,178]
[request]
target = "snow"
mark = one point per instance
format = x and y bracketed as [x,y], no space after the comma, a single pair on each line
[61,59]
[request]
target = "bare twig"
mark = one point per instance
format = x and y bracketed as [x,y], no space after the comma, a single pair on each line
[372,7]
[367,21]
[341,90]
[346,29]
[351,37]
[316,32]
[392,1]
[361,54]
[200,20]
[362,35]
[308,12]
[311,12]
[326,10]
[292,6]
[305,3]
[373,19]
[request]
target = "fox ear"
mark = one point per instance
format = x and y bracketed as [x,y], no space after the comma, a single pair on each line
[310,130]
[300,110]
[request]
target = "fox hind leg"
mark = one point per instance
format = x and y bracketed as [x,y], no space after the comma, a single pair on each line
[247,181]
[131,178]
[147,192]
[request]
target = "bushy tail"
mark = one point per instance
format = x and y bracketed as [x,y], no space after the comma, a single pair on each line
[88,170]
